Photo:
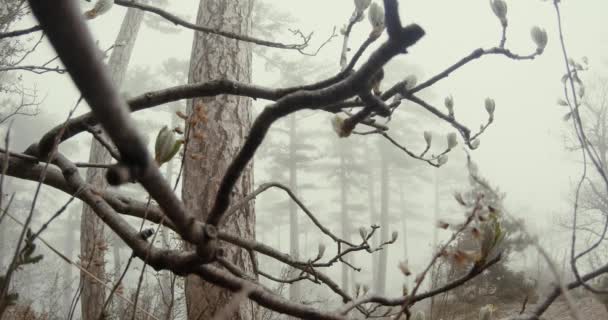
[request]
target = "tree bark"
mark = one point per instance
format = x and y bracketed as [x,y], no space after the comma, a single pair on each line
[294,230]
[92,238]
[344,216]
[219,128]
[384,205]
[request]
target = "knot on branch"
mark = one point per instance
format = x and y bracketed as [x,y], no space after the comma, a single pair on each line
[208,249]
[407,36]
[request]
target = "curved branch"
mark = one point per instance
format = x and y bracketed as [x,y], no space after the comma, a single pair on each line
[178,21]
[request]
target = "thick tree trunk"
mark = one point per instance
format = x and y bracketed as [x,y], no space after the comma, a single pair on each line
[344,212]
[373,217]
[71,236]
[294,230]
[92,239]
[222,125]
[384,205]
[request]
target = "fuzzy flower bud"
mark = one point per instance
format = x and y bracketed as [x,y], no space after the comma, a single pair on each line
[405,269]
[475,144]
[100,7]
[500,10]
[410,82]
[337,123]
[539,36]
[452,140]
[490,106]
[166,145]
[428,137]
[363,233]
[449,104]
[394,236]
[361,5]
[442,160]
[321,251]
[376,17]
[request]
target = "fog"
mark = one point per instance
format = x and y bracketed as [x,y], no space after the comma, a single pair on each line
[526,152]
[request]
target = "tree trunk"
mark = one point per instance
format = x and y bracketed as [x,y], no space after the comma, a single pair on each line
[344,212]
[384,204]
[167,294]
[294,231]
[70,239]
[373,216]
[222,125]
[92,239]
[435,235]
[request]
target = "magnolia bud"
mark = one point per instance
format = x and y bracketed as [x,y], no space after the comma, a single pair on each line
[404,268]
[442,160]
[363,233]
[449,104]
[490,106]
[394,236]
[410,82]
[540,38]
[166,145]
[376,17]
[321,251]
[100,7]
[500,10]
[562,102]
[365,289]
[475,144]
[361,5]
[338,124]
[452,140]
[404,290]
[428,137]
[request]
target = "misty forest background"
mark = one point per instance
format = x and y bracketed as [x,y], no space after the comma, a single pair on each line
[529,155]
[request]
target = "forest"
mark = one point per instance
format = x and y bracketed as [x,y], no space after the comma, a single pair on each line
[333,160]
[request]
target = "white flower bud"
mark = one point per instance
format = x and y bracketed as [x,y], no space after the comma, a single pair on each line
[410,82]
[321,251]
[540,38]
[338,124]
[442,160]
[376,17]
[405,269]
[100,7]
[361,5]
[449,104]
[166,145]
[490,106]
[500,10]
[475,144]
[363,233]
[452,140]
[428,137]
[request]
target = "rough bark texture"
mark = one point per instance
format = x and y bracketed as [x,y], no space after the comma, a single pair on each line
[344,216]
[92,239]
[221,126]
[384,222]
